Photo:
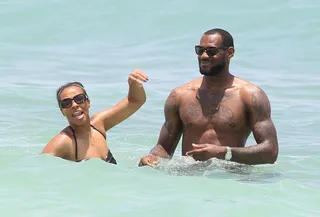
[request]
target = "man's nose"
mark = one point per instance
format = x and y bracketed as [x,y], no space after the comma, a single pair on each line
[204,55]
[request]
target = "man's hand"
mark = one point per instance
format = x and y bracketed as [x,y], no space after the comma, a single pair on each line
[149,160]
[203,152]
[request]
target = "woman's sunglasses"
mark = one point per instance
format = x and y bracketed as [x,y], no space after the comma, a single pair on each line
[211,51]
[79,99]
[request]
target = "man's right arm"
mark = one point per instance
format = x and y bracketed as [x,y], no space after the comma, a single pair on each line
[171,130]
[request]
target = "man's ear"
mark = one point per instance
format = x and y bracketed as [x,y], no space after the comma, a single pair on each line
[230,52]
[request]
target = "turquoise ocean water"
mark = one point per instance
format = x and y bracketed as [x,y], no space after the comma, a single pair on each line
[44,44]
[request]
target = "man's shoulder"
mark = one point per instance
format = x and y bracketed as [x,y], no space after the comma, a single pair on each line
[250,93]
[245,86]
[188,87]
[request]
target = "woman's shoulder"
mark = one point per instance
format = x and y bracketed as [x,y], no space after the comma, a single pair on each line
[60,145]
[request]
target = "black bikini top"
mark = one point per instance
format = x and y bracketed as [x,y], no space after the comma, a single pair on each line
[109,157]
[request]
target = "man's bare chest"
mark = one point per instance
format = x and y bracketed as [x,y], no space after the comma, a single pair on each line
[218,111]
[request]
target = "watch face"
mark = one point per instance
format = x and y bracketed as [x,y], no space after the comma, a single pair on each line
[228,154]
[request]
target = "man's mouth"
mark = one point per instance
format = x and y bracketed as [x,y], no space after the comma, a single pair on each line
[205,62]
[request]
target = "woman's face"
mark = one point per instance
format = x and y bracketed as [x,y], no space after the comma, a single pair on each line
[75,105]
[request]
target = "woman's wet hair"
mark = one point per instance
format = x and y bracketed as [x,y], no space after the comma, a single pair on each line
[69,84]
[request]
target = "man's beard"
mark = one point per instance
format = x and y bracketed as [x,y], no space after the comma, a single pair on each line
[213,71]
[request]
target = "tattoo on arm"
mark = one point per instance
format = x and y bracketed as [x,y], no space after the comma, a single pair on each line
[262,125]
[171,131]
[260,105]
[171,103]
[264,132]
[170,108]
[266,151]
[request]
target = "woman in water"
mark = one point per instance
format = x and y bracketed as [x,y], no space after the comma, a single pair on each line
[85,137]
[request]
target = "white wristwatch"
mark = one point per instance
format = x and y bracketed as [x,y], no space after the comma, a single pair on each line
[228,155]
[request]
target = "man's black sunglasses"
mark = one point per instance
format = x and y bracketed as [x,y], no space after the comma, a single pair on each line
[67,102]
[211,51]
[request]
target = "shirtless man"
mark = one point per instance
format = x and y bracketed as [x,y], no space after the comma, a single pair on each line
[216,113]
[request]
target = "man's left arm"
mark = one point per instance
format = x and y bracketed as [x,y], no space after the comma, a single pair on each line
[264,131]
